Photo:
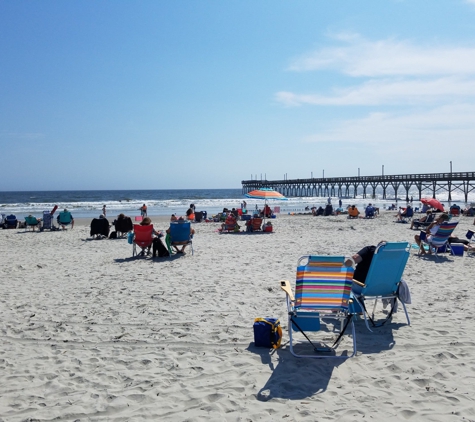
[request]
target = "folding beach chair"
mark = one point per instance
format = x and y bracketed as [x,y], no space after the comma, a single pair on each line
[99,228]
[31,222]
[426,223]
[180,234]
[322,294]
[11,222]
[439,241]
[142,238]
[64,218]
[47,221]
[382,282]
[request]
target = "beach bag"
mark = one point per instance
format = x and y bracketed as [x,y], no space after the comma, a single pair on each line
[130,237]
[113,235]
[267,332]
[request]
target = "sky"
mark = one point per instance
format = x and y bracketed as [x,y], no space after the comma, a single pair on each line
[204,94]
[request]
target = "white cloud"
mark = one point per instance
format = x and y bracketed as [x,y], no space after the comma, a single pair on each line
[377,92]
[443,128]
[360,57]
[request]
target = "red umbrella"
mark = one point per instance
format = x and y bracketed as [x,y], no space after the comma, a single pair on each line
[434,203]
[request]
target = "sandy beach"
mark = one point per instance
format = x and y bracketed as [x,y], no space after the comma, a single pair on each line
[89,333]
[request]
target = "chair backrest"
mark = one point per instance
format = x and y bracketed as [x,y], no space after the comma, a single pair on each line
[409,212]
[323,283]
[11,218]
[143,235]
[455,211]
[430,218]
[123,225]
[180,232]
[47,218]
[256,223]
[31,221]
[442,235]
[65,217]
[386,269]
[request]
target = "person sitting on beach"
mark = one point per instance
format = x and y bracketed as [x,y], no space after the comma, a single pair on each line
[123,225]
[156,234]
[185,243]
[353,212]
[64,218]
[230,223]
[370,211]
[404,213]
[173,218]
[267,212]
[422,219]
[431,231]
[190,213]
[362,260]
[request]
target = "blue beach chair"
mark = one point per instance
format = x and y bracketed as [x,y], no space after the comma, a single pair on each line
[32,222]
[322,294]
[382,282]
[180,234]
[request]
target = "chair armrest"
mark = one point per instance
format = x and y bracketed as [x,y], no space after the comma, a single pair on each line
[359,283]
[285,286]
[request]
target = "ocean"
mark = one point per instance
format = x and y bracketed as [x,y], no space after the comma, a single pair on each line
[89,203]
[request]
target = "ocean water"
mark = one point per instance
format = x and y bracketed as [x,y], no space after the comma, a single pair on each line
[163,202]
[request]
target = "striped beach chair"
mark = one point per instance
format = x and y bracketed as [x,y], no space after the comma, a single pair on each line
[382,283]
[439,241]
[321,303]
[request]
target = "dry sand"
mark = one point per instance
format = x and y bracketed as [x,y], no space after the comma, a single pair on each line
[89,333]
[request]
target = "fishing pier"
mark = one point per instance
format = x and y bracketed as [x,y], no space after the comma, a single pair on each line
[350,187]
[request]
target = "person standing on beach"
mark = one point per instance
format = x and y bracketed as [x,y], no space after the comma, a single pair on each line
[104,210]
[143,210]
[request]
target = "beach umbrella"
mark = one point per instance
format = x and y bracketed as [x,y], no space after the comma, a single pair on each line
[434,203]
[265,194]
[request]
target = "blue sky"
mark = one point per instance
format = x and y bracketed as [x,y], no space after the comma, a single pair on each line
[203,94]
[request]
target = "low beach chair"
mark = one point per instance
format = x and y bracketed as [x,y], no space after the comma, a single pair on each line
[123,226]
[426,223]
[439,241]
[142,238]
[99,227]
[255,224]
[322,294]
[11,222]
[382,282]
[32,222]
[180,234]
[64,218]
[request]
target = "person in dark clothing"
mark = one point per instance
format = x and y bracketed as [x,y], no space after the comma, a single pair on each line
[363,261]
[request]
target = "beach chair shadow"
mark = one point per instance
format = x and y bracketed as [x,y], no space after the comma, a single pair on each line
[280,384]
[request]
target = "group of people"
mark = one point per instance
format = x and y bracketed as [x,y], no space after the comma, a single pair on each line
[158,248]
